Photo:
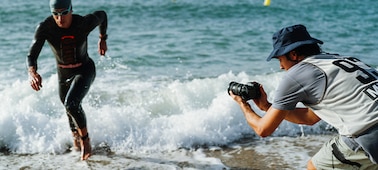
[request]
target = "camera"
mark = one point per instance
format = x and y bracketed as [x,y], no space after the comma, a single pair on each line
[247,91]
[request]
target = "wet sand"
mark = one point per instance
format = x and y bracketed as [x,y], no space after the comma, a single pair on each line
[271,153]
[258,154]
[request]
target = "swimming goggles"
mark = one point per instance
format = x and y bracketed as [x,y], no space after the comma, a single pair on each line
[65,12]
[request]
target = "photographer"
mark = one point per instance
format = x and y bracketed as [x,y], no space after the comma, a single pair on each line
[342,91]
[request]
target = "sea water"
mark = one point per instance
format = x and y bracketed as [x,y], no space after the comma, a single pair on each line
[162,85]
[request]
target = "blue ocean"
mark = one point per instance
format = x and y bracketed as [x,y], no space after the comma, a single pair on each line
[160,95]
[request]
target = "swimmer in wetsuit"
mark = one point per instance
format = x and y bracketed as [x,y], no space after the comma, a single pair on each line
[67,35]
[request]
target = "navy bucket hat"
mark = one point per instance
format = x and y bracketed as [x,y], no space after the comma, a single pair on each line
[289,38]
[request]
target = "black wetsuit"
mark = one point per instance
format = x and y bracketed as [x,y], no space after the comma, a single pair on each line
[70,49]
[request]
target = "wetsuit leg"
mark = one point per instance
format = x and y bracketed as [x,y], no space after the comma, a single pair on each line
[63,89]
[72,92]
[72,103]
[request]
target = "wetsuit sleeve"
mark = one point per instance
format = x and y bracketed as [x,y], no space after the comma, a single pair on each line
[36,47]
[98,18]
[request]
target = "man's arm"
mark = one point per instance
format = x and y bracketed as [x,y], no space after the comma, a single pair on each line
[35,79]
[266,125]
[103,26]
[31,59]
[102,22]
[35,48]
[263,126]
[298,115]
[302,116]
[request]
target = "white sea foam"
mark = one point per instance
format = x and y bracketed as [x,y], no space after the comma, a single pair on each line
[161,92]
[148,115]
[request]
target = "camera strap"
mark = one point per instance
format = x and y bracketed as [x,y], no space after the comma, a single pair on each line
[340,156]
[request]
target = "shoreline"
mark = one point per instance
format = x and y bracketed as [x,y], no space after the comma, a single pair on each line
[248,154]
[267,153]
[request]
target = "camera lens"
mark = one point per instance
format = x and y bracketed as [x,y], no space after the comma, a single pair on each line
[245,91]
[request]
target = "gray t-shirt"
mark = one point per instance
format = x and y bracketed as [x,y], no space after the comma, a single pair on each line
[342,91]
[304,82]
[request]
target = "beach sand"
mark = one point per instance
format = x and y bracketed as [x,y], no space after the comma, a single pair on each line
[271,153]
[268,153]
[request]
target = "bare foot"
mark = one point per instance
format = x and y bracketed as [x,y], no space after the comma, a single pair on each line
[76,141]
[86,149]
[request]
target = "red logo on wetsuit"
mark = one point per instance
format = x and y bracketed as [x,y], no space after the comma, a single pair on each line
[68,49]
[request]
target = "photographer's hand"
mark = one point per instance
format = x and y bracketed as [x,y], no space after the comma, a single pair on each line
[237,98]
[262,102]
[263,126]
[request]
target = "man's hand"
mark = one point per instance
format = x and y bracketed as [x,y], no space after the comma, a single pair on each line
[35,79]
[262,102]
[237,98]
[102,47]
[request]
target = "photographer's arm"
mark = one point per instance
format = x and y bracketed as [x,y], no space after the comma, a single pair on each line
[263,126]
[299,115]
[302,116]
[262,102]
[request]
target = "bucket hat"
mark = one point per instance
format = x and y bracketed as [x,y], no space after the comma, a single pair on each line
[289,38]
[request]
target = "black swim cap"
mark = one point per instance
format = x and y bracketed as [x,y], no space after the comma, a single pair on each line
[59,4]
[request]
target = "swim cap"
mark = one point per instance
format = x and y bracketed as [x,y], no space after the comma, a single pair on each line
[59,4]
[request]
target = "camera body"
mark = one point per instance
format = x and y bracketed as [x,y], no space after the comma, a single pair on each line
[247,91]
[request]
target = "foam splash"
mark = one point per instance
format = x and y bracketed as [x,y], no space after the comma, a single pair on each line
[145,116]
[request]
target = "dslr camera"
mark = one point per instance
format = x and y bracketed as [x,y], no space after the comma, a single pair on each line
[247,91]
